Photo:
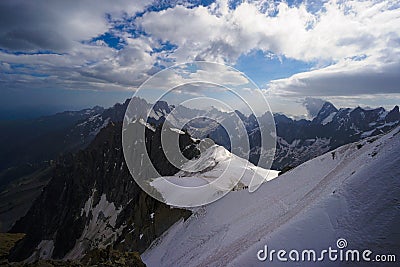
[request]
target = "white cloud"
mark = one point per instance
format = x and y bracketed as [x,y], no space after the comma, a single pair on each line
[66,27]
[338,31]
[345,78]
[355,45]
[57,25]
[358,40]
[313,105]
[101,67]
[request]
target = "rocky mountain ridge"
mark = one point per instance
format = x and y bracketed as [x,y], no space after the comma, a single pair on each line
[93,202]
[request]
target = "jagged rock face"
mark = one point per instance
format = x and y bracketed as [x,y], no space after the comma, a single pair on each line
[393,115]
[299,141]
[93,202]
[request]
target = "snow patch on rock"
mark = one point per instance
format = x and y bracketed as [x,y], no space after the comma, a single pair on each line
[43,251]
[100,228]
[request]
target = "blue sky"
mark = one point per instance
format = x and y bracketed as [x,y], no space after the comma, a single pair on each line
[264,67]
[73,54]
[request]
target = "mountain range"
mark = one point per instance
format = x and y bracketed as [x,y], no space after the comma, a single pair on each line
[87,198]
[43,139]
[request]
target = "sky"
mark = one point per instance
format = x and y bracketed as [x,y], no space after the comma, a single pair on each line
[57,55]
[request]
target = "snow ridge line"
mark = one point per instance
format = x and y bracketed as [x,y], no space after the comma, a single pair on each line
[228,254]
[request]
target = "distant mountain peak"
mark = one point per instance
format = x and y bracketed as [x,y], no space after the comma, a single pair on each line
[162,106]
[325,113]
[328,106]
[393,115]
[240,114]
[282,118]
[395,109]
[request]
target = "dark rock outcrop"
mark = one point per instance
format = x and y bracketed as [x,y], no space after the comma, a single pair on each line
[90,188]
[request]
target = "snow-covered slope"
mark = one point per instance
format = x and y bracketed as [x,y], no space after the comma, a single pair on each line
[214,173]
[352,193]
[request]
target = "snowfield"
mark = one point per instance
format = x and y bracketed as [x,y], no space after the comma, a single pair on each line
[352,193]
[215,173]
